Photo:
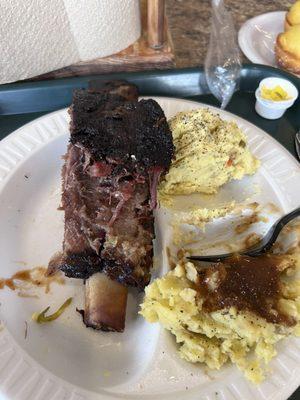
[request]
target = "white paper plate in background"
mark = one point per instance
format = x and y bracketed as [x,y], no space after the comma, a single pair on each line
[257,37]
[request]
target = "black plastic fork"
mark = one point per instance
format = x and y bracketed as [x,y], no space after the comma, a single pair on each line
[262,247]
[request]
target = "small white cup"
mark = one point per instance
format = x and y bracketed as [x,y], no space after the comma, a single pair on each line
[271,109]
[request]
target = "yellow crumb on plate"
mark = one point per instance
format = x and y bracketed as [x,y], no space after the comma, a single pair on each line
[200,216]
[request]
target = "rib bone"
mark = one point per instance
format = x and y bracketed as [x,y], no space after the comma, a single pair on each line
[105,303]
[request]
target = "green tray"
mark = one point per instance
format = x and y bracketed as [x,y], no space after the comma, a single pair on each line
[25,101]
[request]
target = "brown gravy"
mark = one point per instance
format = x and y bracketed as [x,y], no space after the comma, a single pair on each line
[35,277]
[247,283]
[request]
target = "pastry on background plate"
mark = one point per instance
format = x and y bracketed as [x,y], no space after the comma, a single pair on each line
[293,16]
[287,49]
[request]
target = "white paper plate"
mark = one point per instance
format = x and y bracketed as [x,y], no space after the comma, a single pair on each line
[257,37]
[64,360]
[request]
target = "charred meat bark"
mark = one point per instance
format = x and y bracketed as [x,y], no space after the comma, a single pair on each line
[118,149]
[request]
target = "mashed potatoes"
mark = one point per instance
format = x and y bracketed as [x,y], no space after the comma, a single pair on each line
[209,153]
[213,338]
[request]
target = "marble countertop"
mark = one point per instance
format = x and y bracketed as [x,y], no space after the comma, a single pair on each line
[189,23]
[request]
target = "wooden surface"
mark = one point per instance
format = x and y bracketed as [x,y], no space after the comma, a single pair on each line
[155,23]
[136,57]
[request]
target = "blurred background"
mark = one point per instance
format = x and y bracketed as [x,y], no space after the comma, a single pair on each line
[189,23]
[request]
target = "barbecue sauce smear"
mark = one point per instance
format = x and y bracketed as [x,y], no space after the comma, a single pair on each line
[33,277]
[247,283]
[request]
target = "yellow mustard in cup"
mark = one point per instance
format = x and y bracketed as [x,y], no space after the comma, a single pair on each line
[274,96]
[277,93]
